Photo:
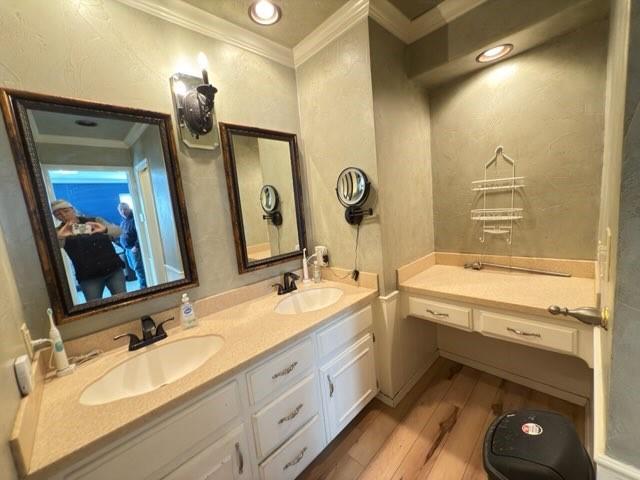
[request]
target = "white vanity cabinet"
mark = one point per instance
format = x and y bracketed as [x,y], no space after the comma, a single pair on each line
[347,374]
[268,422]
[348,383]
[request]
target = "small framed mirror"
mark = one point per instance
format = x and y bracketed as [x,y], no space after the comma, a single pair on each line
[103,190]
[265,194]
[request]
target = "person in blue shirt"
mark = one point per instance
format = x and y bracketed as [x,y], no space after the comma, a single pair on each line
[130,243]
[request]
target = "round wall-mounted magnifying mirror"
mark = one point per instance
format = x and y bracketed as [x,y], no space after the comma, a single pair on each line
[269,199]
[352,187]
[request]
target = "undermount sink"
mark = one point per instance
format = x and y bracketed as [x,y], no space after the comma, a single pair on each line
[158,365]
[308,300]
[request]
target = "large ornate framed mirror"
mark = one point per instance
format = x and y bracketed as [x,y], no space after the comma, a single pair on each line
[265,195]
[103,191]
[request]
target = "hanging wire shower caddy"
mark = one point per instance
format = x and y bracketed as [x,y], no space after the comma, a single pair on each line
[498,221]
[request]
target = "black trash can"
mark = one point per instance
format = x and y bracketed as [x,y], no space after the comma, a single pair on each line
[535,445]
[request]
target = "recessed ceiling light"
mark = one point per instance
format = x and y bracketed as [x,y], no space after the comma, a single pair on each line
[493,54]
[264,12]
[86,123]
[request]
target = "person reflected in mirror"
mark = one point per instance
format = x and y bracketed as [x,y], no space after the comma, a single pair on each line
[88,242]
[130,243]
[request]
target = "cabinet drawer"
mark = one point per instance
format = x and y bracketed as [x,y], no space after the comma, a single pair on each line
[280,371]
[344,330]
[165,442]
[294,456]
[529,332]
[445,313]
[277,421]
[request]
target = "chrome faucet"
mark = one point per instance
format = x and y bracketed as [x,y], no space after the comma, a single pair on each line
[151,333]
[288,283]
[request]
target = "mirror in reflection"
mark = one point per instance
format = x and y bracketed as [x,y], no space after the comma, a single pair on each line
[265,194]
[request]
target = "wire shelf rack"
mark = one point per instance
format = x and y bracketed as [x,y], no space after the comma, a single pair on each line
[491,218]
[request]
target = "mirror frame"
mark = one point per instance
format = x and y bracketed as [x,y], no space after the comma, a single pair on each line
[14,105]
[226,132]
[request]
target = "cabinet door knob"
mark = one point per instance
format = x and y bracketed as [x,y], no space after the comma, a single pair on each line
[331,387]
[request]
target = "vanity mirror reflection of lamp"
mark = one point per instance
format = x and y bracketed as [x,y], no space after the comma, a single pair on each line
[194,102]
[352,189]
[270,202]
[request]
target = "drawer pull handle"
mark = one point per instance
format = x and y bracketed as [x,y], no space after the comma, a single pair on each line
[524,334]
[292,415]
[331,387]
[240,458]
[296,460]
[285,371]
[436,314]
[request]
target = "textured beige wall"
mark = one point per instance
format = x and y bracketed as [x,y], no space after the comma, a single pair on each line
[275,160]
[108,52]
[10,347]
[401,113]
[546,107]
[336,118]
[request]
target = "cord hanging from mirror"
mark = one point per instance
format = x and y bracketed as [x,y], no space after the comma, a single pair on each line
[356,273]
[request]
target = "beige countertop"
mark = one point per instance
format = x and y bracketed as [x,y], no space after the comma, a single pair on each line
[523,292]
[68,431]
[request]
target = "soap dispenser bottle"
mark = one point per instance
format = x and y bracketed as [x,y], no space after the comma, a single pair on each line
[187,315]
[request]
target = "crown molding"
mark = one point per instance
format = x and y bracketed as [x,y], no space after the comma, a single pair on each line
[392,19]
[384,12]
[80,141]
[334,26]
[205,23]
[136,131]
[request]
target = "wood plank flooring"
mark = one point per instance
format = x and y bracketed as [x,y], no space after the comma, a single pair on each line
[436,432]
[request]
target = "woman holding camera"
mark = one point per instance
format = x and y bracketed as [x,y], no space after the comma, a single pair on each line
[88,243]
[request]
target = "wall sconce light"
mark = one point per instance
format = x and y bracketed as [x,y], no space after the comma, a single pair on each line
[193,100]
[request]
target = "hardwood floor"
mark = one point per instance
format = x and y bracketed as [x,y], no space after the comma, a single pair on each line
[436,432]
